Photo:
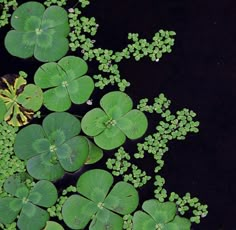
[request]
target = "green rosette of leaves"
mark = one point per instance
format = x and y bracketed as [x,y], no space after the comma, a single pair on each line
[64,83]
[99,202]
[18,100]
[159,215]
[53,148]
[38,31]
[114,122]
[26,204]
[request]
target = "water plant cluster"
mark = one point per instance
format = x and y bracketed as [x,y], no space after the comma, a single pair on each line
[42,141]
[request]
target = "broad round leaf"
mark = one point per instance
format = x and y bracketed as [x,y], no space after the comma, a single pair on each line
[65,122]
[32,214]
[49,75]
[78,211]
[110,138]
[27,16]
[80,89]
[95,153]
[42,167]
[179,223]
[162,213]
[9,209]
[15,185]
[57,99]
[95,184]
[24,142]
[54,74]
[106,219]
[133,124]
[56,18]
[73,153]
[51,225]
[50,47]
[94,121]
[142,221]
[122,199]
[44,194]
[73,66]
[20,44]
[31,98]
[38,32]
[116,104]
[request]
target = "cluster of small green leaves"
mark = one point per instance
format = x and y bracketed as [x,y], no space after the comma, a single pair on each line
[84,3]
[9,163]
[162,42]
[174,127]
[160,105]
[160,192]
[55,210]
[55,2]
[5,7]
[139,48]
[186,203]
[83,28]
[128,223]
[121,166]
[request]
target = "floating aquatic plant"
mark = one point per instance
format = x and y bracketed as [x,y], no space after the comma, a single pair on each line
[38,31]
[114,122]
[98,202]
[53,148]
[20,99]
[65,82]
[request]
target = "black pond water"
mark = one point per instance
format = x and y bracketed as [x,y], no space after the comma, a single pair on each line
[200,74]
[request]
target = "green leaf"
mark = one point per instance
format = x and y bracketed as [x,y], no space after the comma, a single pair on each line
[122,199]
[43,167]
[24,142]
[20,44]
[9,209]
[49,75]
[95,184]
[15,185]
[110,138]
[116,104]
[32,214]
[57,99]
[80,89]
[65,122]
[3,110]
[106,219]
[31,98]
[51,225]
[27,16]
[162,213]
[44,194]
[74,67]
[179,223]
[142,221]
[65,83]
[73,153]
[93,123]
[95,153]
[133,124]
[38,32]
[41,145]
[77,211]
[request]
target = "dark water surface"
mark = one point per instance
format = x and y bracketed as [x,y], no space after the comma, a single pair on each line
[200,74]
